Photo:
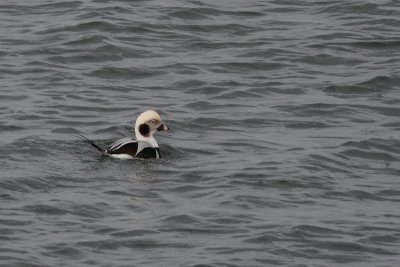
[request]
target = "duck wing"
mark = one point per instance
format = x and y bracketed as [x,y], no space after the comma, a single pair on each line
[125,146]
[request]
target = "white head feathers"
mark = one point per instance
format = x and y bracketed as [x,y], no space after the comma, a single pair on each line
[147,124]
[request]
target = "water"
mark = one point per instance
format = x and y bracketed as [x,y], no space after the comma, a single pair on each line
[284,148]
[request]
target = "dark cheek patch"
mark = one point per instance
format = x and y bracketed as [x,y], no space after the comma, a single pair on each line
[144,129]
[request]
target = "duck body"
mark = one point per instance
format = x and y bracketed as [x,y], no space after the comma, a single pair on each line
[127,148]
[144,146]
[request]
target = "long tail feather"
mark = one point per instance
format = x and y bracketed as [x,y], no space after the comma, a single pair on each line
[87,140]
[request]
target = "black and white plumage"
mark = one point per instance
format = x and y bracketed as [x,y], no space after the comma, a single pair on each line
[130,148]
[145,146]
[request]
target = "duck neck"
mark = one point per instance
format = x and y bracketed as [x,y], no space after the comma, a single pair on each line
[149,139]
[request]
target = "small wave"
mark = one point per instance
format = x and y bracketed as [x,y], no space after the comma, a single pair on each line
[328,60]
[343,8]
[234,29]
[188,14]
[378,84]
[65,130]
[375,143]
[60,5]
[170,153]
[86,40]
[317,110]
[384,239]
[189,84]
[115,73]
[201,105]
[372,155]
[201,13]
[350,247]
[44,209]
[207,90]
[102,26]
[10,128]
[63,250]
[311,231]
[237,95]
[372,149]
[14,97]
[183,219]
[245,67]
[364,195]
[307,125]
[376,44]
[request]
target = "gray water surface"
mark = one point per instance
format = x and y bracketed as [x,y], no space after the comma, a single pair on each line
[284,146]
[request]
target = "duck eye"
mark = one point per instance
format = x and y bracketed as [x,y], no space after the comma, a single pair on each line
[153,121]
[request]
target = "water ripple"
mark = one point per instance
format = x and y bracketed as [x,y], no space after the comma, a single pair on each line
[283,149]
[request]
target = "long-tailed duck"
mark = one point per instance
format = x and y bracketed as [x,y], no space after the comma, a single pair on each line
[145,146]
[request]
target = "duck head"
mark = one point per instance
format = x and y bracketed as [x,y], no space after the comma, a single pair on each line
[148,123]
